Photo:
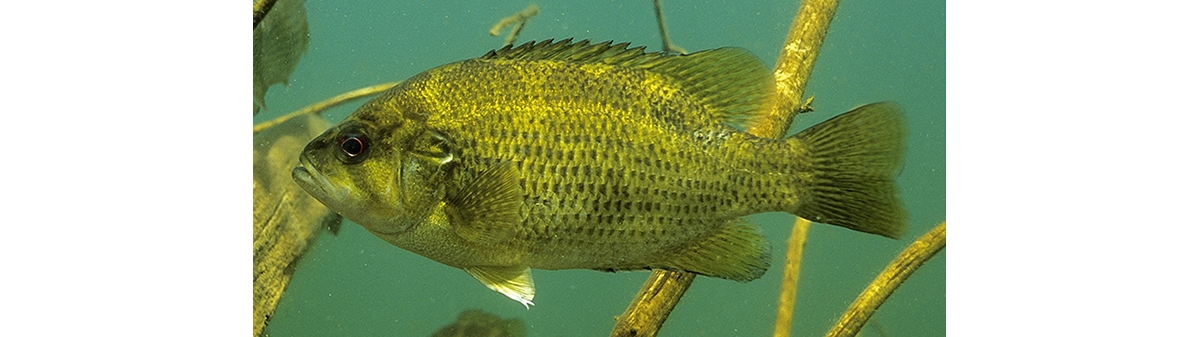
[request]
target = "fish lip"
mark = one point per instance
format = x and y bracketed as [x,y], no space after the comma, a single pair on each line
[302,174]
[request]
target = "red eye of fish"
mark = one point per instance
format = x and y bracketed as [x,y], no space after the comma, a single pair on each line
[353,146]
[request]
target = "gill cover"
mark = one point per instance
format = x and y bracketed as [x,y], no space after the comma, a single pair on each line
[422,175]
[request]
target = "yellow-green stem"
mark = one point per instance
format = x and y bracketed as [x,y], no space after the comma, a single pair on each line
[878,291]
[327,104]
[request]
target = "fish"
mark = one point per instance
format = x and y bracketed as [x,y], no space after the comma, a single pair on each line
[577,155]
[477,323]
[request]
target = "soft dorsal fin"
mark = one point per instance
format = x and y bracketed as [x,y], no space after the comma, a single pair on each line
[487,208]
[731,82]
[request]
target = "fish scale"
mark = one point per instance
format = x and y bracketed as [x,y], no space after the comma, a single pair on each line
[591,191]
[561,155]
[627,137]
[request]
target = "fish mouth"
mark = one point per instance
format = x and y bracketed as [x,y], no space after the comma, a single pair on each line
[313,183]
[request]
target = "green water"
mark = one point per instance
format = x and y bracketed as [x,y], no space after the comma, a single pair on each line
[357,285]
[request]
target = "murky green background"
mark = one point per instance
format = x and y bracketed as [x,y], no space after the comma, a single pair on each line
[357,285]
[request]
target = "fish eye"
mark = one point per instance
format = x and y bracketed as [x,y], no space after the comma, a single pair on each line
[353,148]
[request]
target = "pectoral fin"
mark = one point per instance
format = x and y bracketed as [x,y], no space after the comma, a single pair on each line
[486,209]
[515,282]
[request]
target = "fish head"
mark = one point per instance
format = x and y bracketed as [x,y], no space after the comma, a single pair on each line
[383,174]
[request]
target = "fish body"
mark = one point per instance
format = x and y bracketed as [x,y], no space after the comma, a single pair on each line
[560,155]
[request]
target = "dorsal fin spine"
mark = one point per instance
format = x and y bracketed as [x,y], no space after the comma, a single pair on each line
[731,82]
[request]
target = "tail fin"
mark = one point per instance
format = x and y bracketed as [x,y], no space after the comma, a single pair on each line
[849,165]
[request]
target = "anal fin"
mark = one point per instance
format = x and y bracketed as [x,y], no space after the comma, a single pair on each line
[735,251]
[515,282]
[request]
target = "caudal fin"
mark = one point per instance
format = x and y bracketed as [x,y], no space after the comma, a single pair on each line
[849,165]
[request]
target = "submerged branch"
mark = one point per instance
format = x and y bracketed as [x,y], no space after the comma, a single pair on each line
[653,304]
[791,278]
[658,297]
[795,64]
[327,104]
[878,291]
[792,70]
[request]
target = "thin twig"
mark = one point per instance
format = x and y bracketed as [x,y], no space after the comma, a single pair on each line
[662,30]
[518,20]
[327,104]
[878,291]
[791,278]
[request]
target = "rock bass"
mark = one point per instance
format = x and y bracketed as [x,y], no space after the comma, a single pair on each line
[561,155]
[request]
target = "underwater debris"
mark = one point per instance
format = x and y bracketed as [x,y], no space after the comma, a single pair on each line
[286,219]
[477,323]
[517,21]
[278,43]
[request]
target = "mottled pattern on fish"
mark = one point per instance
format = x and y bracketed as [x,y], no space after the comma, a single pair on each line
[561,155]
[605,185]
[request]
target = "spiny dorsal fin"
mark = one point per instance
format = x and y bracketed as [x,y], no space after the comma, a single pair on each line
[486,210]
[516,282]
[580,52]
[732,82]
